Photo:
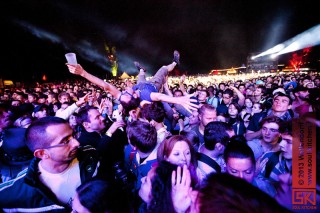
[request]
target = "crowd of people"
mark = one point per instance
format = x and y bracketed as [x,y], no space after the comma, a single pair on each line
[158,144]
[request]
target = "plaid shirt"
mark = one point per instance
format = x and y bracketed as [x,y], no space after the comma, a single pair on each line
[281,167]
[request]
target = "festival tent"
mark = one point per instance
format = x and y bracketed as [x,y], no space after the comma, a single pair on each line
[124,76]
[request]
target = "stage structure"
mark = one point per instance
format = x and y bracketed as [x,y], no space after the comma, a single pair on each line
[264,64]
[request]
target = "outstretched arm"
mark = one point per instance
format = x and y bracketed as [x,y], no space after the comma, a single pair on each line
[78,70]
[186,101]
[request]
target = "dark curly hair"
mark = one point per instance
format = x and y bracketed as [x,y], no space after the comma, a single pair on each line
[161,189]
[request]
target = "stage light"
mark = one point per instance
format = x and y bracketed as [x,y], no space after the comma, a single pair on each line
[306,39]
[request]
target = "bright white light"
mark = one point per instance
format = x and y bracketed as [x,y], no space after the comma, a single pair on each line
[272,50]
[273,56]
[306,39]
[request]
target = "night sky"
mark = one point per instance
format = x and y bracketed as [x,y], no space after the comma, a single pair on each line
[209,34]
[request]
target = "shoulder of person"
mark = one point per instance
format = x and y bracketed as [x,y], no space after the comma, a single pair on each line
[86,152]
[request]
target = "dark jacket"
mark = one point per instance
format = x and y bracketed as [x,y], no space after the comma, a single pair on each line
[27,193]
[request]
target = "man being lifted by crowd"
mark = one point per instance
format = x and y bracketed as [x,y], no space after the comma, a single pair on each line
[144,90]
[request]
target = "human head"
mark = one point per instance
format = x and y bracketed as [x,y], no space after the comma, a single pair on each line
[91,119]
[286,139]
[129,102]
[21,97]
[234,109]
[64,97]
[257,107]
[73,120]
[32,98]
[193,138]
[207,113]
[99,196]
[286,145]
[5,120]
[223,117]
[281,102]
[15,103]
[56,106]
[270,129]
[242,87]
[222,86]
[177,150]
[249,92]
[177,93]
[23,122]
[156,188]
[194,117]
[217,135]
[202,95]
[260,90]
[142,135]
[153,111]
[221,192]
[42,99]
[240,160]
[52,98]
[227,96]
[40,111]
[51,138]
[248,102]
[301,92]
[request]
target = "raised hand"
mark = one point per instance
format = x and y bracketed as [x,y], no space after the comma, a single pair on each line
[188,103]
[181,189]
[76,69]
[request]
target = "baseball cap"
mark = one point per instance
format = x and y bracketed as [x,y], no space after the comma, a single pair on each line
[294,84]
[40,107]
[259,82]
[281,90]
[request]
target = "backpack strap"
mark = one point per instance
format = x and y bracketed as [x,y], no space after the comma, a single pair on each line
[272,162]
[209,161]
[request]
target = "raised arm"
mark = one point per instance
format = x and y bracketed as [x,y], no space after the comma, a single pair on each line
[78,70]
[239,94]
[186,101]
[181,85]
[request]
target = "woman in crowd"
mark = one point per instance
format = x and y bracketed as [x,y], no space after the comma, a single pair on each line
[235,119]
[179,150]
[156,188]
[247,108]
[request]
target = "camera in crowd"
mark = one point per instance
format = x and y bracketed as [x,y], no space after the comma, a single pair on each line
[125,177]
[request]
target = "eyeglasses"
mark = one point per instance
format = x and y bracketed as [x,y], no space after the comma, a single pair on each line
[64,143]
[123,93]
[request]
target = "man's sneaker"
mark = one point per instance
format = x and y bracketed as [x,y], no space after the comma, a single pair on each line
[138,66]
[176,57]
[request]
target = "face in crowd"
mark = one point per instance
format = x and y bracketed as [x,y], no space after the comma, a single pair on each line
[146,186]
[286,146]
[180,154]
[63,147]
[96,121]
[241,168]
[270,132]
[226,99]
[194,117]
[207,116]
[248,103]
[281,104]
[5,119]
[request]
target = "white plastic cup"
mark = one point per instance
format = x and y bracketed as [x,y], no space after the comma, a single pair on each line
[71,58]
